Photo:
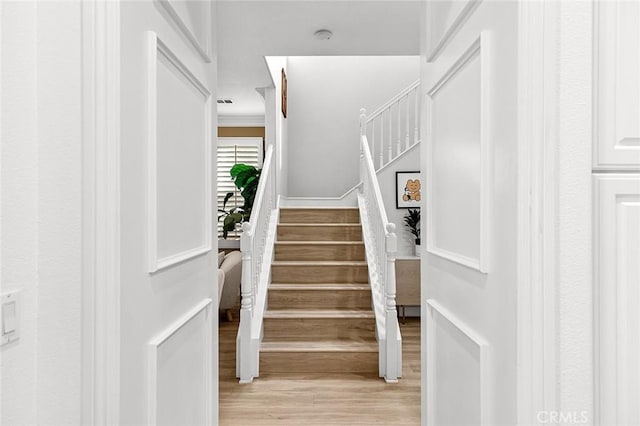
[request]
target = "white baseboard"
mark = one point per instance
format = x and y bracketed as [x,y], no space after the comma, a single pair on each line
[349,200]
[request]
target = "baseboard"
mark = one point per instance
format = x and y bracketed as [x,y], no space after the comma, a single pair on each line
[348,200]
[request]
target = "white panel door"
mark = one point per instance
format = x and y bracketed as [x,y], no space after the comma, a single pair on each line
[168,270]
[469,293]
[616,148]
[617,270]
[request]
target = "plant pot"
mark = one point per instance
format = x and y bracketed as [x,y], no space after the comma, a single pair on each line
[417,252]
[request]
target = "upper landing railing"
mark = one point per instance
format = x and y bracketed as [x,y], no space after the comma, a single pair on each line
[394,127]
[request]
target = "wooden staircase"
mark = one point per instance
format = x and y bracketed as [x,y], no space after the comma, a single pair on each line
[319,317]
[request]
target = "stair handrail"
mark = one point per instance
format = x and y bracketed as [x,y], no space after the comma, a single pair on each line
[255,271]
[384,124]
[381,244]
[410,88]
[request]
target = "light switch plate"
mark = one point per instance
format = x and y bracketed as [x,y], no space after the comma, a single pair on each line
[9,317]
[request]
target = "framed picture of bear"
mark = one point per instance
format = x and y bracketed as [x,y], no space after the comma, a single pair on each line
[408,190]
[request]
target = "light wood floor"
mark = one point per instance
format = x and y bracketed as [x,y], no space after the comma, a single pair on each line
[336,399]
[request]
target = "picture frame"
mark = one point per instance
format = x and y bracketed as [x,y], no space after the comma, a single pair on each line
[408,190]
[283,93]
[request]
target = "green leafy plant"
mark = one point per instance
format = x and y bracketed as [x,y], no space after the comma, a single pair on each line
[246,179]
[412,221]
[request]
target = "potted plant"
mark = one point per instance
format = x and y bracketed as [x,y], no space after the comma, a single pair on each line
[412,221]
[246,179]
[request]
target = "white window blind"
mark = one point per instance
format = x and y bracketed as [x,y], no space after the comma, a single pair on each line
[232,151]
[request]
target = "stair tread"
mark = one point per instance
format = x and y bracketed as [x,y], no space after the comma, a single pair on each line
[319,313]
[320,346]
[307,328]
[319,208]
[320,286]
[307,225]
[319,263]
[320,243]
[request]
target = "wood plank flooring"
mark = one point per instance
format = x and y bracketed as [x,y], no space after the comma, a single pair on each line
[320,399]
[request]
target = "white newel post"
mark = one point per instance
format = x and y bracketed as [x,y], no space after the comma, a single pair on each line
[245,362]
[392,351]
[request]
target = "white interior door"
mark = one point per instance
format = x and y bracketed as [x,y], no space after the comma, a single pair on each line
[616,178]
[168,267]
[469,268]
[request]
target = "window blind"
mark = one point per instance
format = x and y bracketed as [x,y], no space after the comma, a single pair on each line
[229,153]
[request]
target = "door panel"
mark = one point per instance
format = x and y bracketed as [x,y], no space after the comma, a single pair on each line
[617,234]
[616,209]
[617,86]
[470,84]
[168,271]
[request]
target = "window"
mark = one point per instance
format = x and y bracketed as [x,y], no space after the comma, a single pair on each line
[230,152]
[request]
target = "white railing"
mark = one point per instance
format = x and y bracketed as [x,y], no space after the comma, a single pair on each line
[381,246]
[394,127]
[256,245]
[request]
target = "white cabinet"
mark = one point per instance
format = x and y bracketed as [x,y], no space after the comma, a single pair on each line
[617,278]
[616,167]
[617,86]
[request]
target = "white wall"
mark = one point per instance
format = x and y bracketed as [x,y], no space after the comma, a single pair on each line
[276,124]
[325,97]
[41,206]
[409,162]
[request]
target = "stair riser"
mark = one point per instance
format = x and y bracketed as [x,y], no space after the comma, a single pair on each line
[319,216]
[319,299]
[314,329]
[318,362]
[319,233]
[319,274]
[319,252]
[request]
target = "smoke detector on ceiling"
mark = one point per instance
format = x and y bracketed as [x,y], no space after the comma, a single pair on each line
[323,35]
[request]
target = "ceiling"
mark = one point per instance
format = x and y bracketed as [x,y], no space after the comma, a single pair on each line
[250,30]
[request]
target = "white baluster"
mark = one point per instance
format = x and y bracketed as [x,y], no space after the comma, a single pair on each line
[398,149]
[381,143]
[390,148]
[381,140]
[373,139]
[416,136]
[406,126]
